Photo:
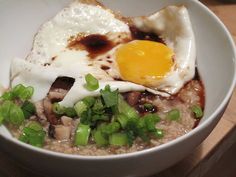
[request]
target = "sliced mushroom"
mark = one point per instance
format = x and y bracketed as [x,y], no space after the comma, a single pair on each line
[40,112]
[50,115]
[56,95]
[133,98]
[62,132]
[67,121]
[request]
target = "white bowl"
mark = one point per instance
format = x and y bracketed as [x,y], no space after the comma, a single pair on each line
[216,63]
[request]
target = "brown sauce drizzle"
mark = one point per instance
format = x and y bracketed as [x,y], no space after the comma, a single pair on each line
[141,35]
[202,95]
[140,99]
[142,110]
[54,58]
[118,79]
[196,123]
[95,44]
[201,92]
[46,64]
[104,67]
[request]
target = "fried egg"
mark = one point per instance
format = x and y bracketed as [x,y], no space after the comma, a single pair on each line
[60,49]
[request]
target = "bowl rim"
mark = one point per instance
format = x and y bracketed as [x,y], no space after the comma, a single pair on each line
[160,147]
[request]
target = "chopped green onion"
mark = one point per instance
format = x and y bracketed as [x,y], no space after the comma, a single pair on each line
[35,126]
[91,82]
[17,90]
[33,137]
[123,119]
[89,101]
[16,115]
[5,109]
[7,96]
[33,134]
[1,119]
[150,121]
[23,138]
[28,109]
[82,135]
[131,137]
[99,138]
[197,110]
[101,126]
[126,109]
[118,139]
[136,127]
[159,133]
[174,114]
[148,106]
[27,93]
[110,97]
[86,118]
[110,128]
[97,117]
[98,107]
[58,109]
[70,112]
[22,92]
[80,107]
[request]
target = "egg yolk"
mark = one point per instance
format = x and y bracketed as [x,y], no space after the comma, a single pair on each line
[141,60]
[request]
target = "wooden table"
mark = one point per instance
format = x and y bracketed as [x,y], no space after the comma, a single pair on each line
[206,155]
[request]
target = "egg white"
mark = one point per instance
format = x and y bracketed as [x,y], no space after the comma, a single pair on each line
[52,37]
[42,78]
[172,24]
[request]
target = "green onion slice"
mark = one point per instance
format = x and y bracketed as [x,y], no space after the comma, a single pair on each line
[91,82]
[82,135]
[22,92]
[118,139]
[110,128]
[159,133]
[5,109]
[35,126]
[33,137]
[89,101]
[28,109]
[58,109]
[174,114]
[1,119]
[16,115]
[126,109]
[99,138]
[150,121]
[26,93]
[17,90]
[7,96]
[70,112]
[80,107]
[197,110]
[148,106]
[122,119]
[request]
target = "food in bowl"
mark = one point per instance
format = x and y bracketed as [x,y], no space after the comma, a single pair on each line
[98,83]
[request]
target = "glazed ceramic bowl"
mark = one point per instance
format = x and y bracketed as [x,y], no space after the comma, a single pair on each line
[216,63]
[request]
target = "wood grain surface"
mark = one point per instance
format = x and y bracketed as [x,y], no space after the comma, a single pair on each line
[206,155]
